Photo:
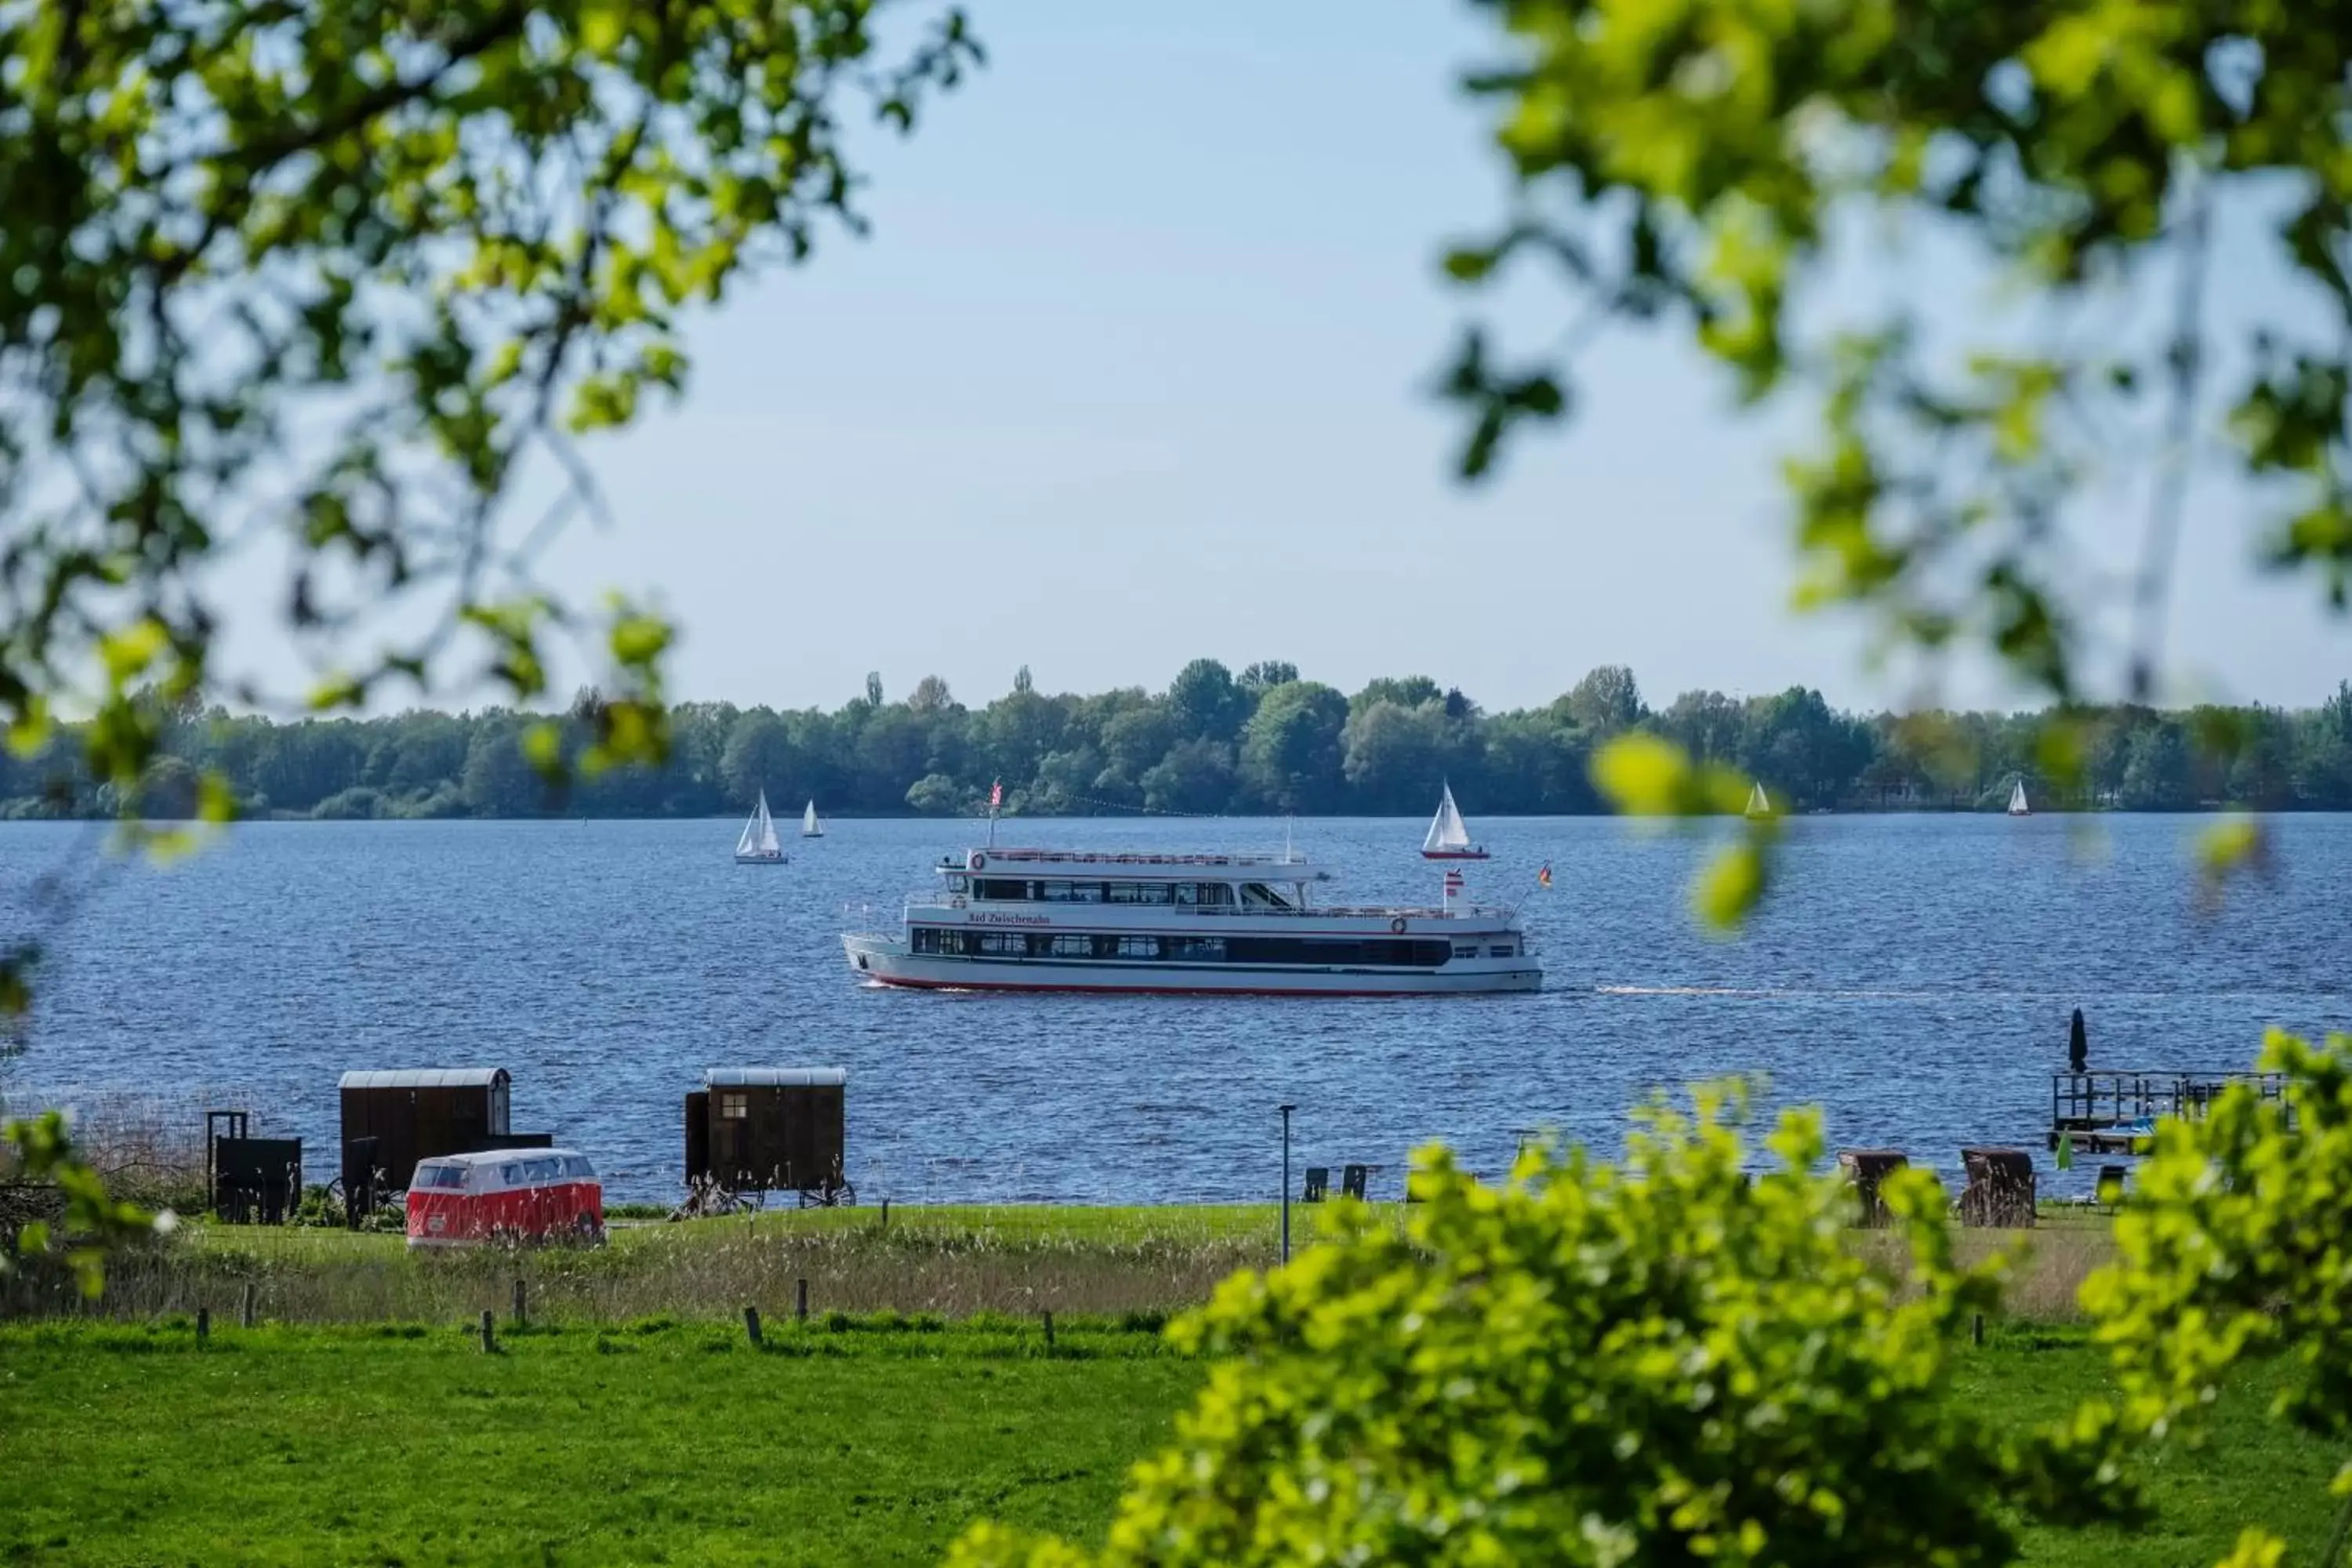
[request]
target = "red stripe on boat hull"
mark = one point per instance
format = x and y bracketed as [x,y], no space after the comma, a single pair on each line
[913,984]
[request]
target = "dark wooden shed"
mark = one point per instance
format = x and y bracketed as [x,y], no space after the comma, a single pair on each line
[769,1130]
[419,1114]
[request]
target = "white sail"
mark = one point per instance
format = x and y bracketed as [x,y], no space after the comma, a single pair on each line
[1446,830]
[759,841]
[809,827]
[1758,803]
[2017,806]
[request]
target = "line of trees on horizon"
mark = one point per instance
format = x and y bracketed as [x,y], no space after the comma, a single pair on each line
[1264,741]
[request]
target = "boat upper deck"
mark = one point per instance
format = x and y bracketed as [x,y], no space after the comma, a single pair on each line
[1135,867]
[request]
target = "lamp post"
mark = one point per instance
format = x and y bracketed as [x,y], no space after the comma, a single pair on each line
[1285,1110]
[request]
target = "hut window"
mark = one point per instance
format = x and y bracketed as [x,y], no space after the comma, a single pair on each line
[735,1107]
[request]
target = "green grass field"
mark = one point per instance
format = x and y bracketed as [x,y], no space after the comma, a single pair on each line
[852,1441]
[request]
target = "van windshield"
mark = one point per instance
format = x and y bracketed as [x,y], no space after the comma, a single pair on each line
[578,1166]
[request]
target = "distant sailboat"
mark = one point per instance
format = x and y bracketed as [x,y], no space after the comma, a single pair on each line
[759,845]
[809,827]
[1759,804]
[1449,839]
[2017,806]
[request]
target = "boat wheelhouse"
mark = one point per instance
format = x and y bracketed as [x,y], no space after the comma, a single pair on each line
[1051,920]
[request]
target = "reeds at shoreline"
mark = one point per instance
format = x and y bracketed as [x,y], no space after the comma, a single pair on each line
[951,1262]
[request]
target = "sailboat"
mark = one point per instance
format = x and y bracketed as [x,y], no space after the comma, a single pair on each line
[809,827]
[2017,806]
[1759,804]
[1448,839]
[759,845]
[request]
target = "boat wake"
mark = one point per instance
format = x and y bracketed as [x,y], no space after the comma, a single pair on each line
[1762,993]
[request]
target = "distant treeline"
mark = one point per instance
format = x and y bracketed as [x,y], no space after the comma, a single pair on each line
[1213,742]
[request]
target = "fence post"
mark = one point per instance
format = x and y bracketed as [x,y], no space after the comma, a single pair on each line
[244,1308]
[800,1302]
[489,1333]
[1977,1332]
[1049,1334]
[519,1317]
[204,1326]
[751,1325]
[886,1214]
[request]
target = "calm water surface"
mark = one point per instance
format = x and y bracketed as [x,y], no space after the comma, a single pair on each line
[1912,975]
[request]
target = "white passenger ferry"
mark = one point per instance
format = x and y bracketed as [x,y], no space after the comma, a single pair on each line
[1051,920]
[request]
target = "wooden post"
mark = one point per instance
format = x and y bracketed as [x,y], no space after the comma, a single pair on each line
[751,1325]
[1977,1331]
[519,1316]
[1049,1334]
[245,1308]
[800,1302]
[489,1333]
[886,1214]
[204,1326]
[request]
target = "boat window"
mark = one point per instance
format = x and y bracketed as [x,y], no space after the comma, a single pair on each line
[1003,943]
[443,1177]
[1139,947]
[1257,895]
[1197,949]
[1502,950]
[1466,949]
[734,1107]
[1071,947]
[1191,893]
[1382,952]
[1085,892]
[1001,890]
[959,884]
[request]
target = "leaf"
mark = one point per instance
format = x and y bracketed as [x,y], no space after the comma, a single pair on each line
[1731,887]
[1644,775]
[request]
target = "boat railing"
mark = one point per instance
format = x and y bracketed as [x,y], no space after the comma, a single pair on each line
[1356,912]
[1095,858]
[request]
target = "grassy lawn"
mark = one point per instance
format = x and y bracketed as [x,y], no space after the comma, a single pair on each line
[867,1441]
[665,1444]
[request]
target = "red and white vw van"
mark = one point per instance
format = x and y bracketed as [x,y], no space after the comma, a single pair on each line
[505,1195]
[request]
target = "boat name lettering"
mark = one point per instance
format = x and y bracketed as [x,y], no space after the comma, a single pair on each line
[987,919]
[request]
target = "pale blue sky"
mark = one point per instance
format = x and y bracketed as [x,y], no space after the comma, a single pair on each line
[1134,368]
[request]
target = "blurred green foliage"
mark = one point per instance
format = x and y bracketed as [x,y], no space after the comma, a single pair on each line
[1665,1361]
[2237,1243]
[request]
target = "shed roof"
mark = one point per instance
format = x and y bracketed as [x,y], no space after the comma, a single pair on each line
[774,1078]
[425,1078]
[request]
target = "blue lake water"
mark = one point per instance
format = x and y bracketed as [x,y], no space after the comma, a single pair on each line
[1911,974]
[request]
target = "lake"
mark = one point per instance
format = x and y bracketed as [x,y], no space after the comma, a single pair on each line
[1911,974]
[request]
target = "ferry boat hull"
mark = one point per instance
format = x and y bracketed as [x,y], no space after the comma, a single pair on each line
[886,960]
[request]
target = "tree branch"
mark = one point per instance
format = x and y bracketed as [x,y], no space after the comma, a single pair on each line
[2186,361]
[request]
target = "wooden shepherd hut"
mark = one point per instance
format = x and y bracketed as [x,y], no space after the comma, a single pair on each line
[769,1130]
[419,1114]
